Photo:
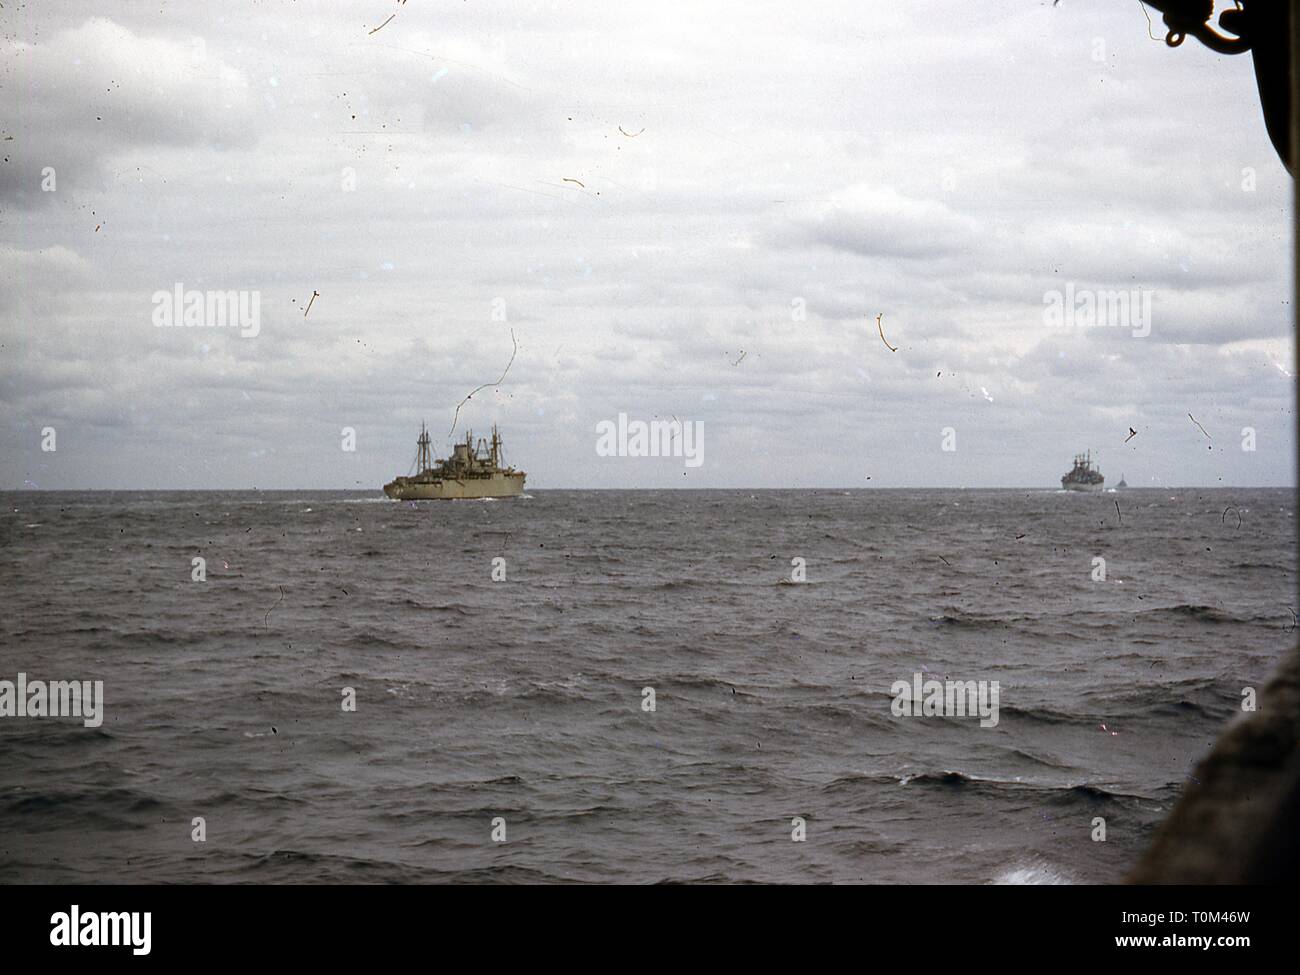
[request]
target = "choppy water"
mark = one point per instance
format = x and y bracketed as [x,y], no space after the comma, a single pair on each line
[523,699]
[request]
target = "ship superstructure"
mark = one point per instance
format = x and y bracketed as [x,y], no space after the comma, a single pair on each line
[474,470]
[1083,476]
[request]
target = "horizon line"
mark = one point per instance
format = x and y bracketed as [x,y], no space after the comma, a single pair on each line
[902,487]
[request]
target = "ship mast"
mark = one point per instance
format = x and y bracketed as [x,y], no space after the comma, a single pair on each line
[422,461]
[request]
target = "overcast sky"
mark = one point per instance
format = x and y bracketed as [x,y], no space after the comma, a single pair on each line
[651,193]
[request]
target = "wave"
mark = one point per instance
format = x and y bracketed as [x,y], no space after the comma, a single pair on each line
[682,682]
[1032,874]
[112,806]
[299,866]
[1039,760]
[1062,793]
[949,619]
[1197,611]
[439,608]
[56,733]
[1042,715]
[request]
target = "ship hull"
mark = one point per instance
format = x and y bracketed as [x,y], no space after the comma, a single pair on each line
[457,489]
[1084,487]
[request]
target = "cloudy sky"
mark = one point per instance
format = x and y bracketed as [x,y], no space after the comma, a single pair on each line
[680,209]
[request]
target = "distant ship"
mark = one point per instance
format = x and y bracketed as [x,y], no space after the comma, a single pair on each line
[1083,476]
[1122,483]
[473,471]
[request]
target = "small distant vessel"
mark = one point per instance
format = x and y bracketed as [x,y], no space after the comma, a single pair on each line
[1083,476]
[472,471]
[1122,483]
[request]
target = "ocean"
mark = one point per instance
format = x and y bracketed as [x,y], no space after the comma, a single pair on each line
[647,696]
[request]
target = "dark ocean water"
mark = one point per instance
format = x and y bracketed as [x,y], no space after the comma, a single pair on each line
[523,699]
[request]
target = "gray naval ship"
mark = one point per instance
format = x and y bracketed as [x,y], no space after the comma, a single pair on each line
[1083,476]
[472,471]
